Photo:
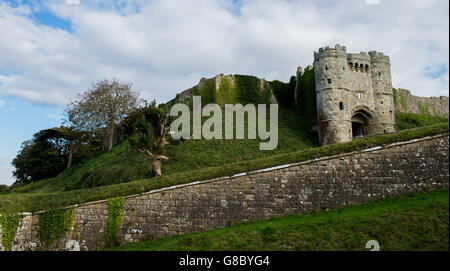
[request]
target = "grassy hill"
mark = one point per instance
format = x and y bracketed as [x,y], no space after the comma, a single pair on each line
[123,164]
[412,222]
[39,199]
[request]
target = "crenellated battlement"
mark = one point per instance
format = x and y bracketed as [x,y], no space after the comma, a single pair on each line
[337,51]
[378,57]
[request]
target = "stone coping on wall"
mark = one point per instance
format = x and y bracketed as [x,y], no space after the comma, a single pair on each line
[377,148]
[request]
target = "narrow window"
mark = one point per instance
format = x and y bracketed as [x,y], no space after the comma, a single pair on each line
[326,68]
[329,81]
[341,105]
[379,73]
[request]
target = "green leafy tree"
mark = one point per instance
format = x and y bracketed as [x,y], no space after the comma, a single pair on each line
[42,157]
[50,151]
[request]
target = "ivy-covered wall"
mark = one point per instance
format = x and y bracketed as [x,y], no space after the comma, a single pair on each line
[9,222]
[306,94]
[232,89]
[405,102]
[115,216]
[53,224]
[249,90]
[284,93]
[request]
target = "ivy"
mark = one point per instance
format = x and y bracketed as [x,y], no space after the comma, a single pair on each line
[423,108]
[208,92]
[436,112]
[249,90]
[394,91]
[9,224]
[227,92]
[115,216]
[306,94]
[53,224]
[403,101]
[284,93]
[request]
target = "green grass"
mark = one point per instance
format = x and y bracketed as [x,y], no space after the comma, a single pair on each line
[411,120]
[47,200]
[123,165]
[411,222]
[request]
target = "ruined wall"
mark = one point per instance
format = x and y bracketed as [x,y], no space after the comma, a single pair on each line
[406,102]
[323,183]
[186,94]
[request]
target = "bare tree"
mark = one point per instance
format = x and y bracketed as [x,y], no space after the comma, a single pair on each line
[103,106]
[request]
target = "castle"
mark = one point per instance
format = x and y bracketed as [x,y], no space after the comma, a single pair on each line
[354,94]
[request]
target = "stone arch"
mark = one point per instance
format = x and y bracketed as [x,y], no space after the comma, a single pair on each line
[361,116]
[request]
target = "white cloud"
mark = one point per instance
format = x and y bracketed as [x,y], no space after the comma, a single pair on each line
[164,47]
[52,116]
[6,171]
[2,103]
[373,2]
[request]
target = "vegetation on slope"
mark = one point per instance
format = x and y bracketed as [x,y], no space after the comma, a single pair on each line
[411,222]
[122,164]
[47,200]
[411,120]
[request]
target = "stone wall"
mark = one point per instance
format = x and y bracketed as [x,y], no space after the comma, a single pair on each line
[406,102]
[319,184]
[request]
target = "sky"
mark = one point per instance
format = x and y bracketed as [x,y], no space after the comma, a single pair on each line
[52,50]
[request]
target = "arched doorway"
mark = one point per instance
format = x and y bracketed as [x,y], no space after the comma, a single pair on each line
[360,120]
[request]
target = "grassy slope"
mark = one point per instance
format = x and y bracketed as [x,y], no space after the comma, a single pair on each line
[124,165]
[47,200]
[412,222]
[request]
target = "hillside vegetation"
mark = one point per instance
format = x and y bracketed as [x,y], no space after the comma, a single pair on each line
[411,222]
[123,164]
[39,200]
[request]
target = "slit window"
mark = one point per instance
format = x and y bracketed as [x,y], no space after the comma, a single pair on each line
[326,68]
[341,105]
[329,81]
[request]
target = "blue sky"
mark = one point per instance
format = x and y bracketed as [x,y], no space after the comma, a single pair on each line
[51,50]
